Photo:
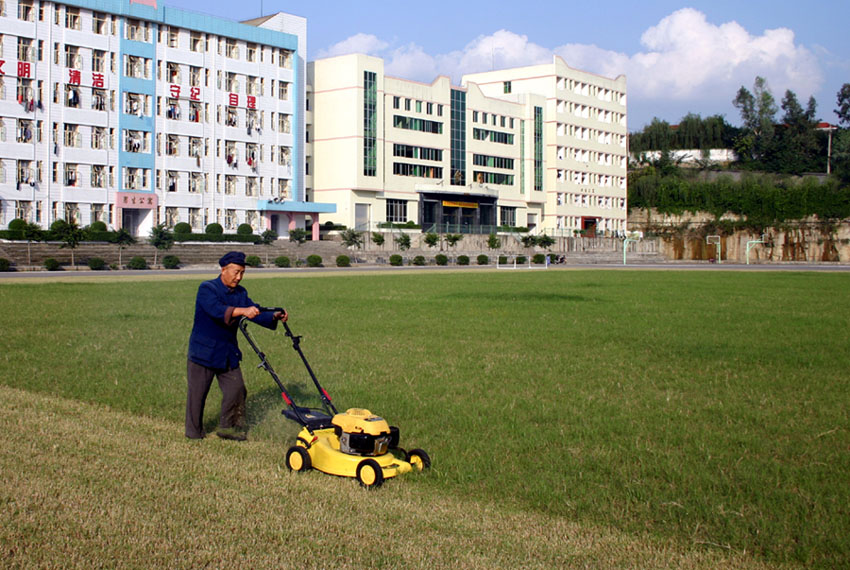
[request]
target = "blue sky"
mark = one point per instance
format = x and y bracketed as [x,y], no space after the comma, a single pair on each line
[678,57]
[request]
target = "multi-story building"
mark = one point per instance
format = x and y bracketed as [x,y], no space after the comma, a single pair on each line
[133,114]
[542,147]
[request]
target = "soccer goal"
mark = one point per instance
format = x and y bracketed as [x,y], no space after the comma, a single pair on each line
[716,241]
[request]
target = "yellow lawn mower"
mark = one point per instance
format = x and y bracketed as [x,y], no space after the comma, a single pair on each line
[355,443]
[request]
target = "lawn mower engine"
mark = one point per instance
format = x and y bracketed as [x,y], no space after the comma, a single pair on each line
[361,432]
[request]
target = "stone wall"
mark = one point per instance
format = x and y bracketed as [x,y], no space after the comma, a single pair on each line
[683,237]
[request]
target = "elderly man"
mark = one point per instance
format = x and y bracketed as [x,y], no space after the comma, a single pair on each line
[213,350]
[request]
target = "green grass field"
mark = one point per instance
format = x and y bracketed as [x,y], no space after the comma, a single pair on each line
[655,418]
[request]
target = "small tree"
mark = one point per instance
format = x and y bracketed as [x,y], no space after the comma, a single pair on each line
[545,241]
[452,239]
[431,239]
[403,242]
[161,238]
[267,238]
[378,239]
[123,238]
[32,232]
[352,238]
[529,240]
[298,235]
[493,242]
[70,234]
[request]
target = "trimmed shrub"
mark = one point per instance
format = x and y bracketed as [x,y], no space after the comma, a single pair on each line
[51,264]
[463,260]
[314,260]
[182,228]
[441,259]
[214,229]
[17,224]
[96,263]
[244,230]
[282,261]
[253,261]
[97,226]
[396,260]
[171,262]
[419,260]
[503,259]
[483,259]
[538,258]
[4,264]
[138,262]
[343,261]
[521,259]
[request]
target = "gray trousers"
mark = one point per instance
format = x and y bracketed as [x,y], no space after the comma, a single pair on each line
[233,393]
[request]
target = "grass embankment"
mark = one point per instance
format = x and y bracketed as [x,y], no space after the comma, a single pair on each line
[705,409]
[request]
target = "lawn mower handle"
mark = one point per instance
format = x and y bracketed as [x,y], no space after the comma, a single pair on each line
[296,345]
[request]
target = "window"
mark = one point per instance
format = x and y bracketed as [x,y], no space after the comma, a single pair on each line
[99,138]
[25,10]
[72,136]
[71,175]
[506,87]
[73,59]
[231,49]
[137,30]
[283,90]
[196,147]
[252,85]
[370,123]
[284,123]
[98,61]
[98,176]
[194,112]
[230,185]
[172,145]
[251,52]
[283,188]
[72,18]
[136,141]
[99,24]
[196,42]
[172,37]
[285,59]
[508,216]
[231,83]
[252,187]
[172,181]
[135,66]
[24,132]
[25,50]
[72,212]
[396,102]
[171,216]
[396,211]
[172,109]
[25,174]
[172,72]
[136,178]
[231,118]
[285,156]
[194,76]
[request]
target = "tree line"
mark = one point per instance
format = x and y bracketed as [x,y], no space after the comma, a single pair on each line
[790,143]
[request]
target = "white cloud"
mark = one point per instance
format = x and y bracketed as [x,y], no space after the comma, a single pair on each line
[358,43]
[684,58]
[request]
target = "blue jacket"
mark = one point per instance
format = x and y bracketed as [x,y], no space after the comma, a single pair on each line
[213,340]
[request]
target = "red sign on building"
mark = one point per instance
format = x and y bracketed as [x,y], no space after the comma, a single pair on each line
[97,80]
[233,100]
[74,76]
[24,69]
[175,90]
[195,93]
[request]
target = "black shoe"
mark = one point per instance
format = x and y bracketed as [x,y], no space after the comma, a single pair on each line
[232,433]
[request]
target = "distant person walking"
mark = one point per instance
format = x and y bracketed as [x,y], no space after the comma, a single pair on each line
[214,351]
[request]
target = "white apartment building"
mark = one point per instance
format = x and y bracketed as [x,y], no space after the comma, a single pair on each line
[542,147]
[134,115]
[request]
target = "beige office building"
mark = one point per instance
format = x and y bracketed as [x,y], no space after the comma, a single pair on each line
[542,147]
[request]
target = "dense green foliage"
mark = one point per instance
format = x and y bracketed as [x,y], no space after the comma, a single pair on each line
[244,230]
[314,260]
[171,262]
[483,259]
[214,229]
[762,199]
[396,260]
[282,261]
[137,262]
[343,261]
[441,259]
[4,264]
[96,263]
[253,261]
[692,132]
[51,264]
[182,228]
[419,260]
[463,260]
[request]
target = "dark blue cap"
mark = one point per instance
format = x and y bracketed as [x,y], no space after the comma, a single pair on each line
[236,257]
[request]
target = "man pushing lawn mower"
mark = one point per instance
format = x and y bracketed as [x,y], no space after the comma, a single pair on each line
[213,351]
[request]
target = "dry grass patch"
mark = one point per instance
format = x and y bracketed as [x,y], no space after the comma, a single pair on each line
[87,486]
